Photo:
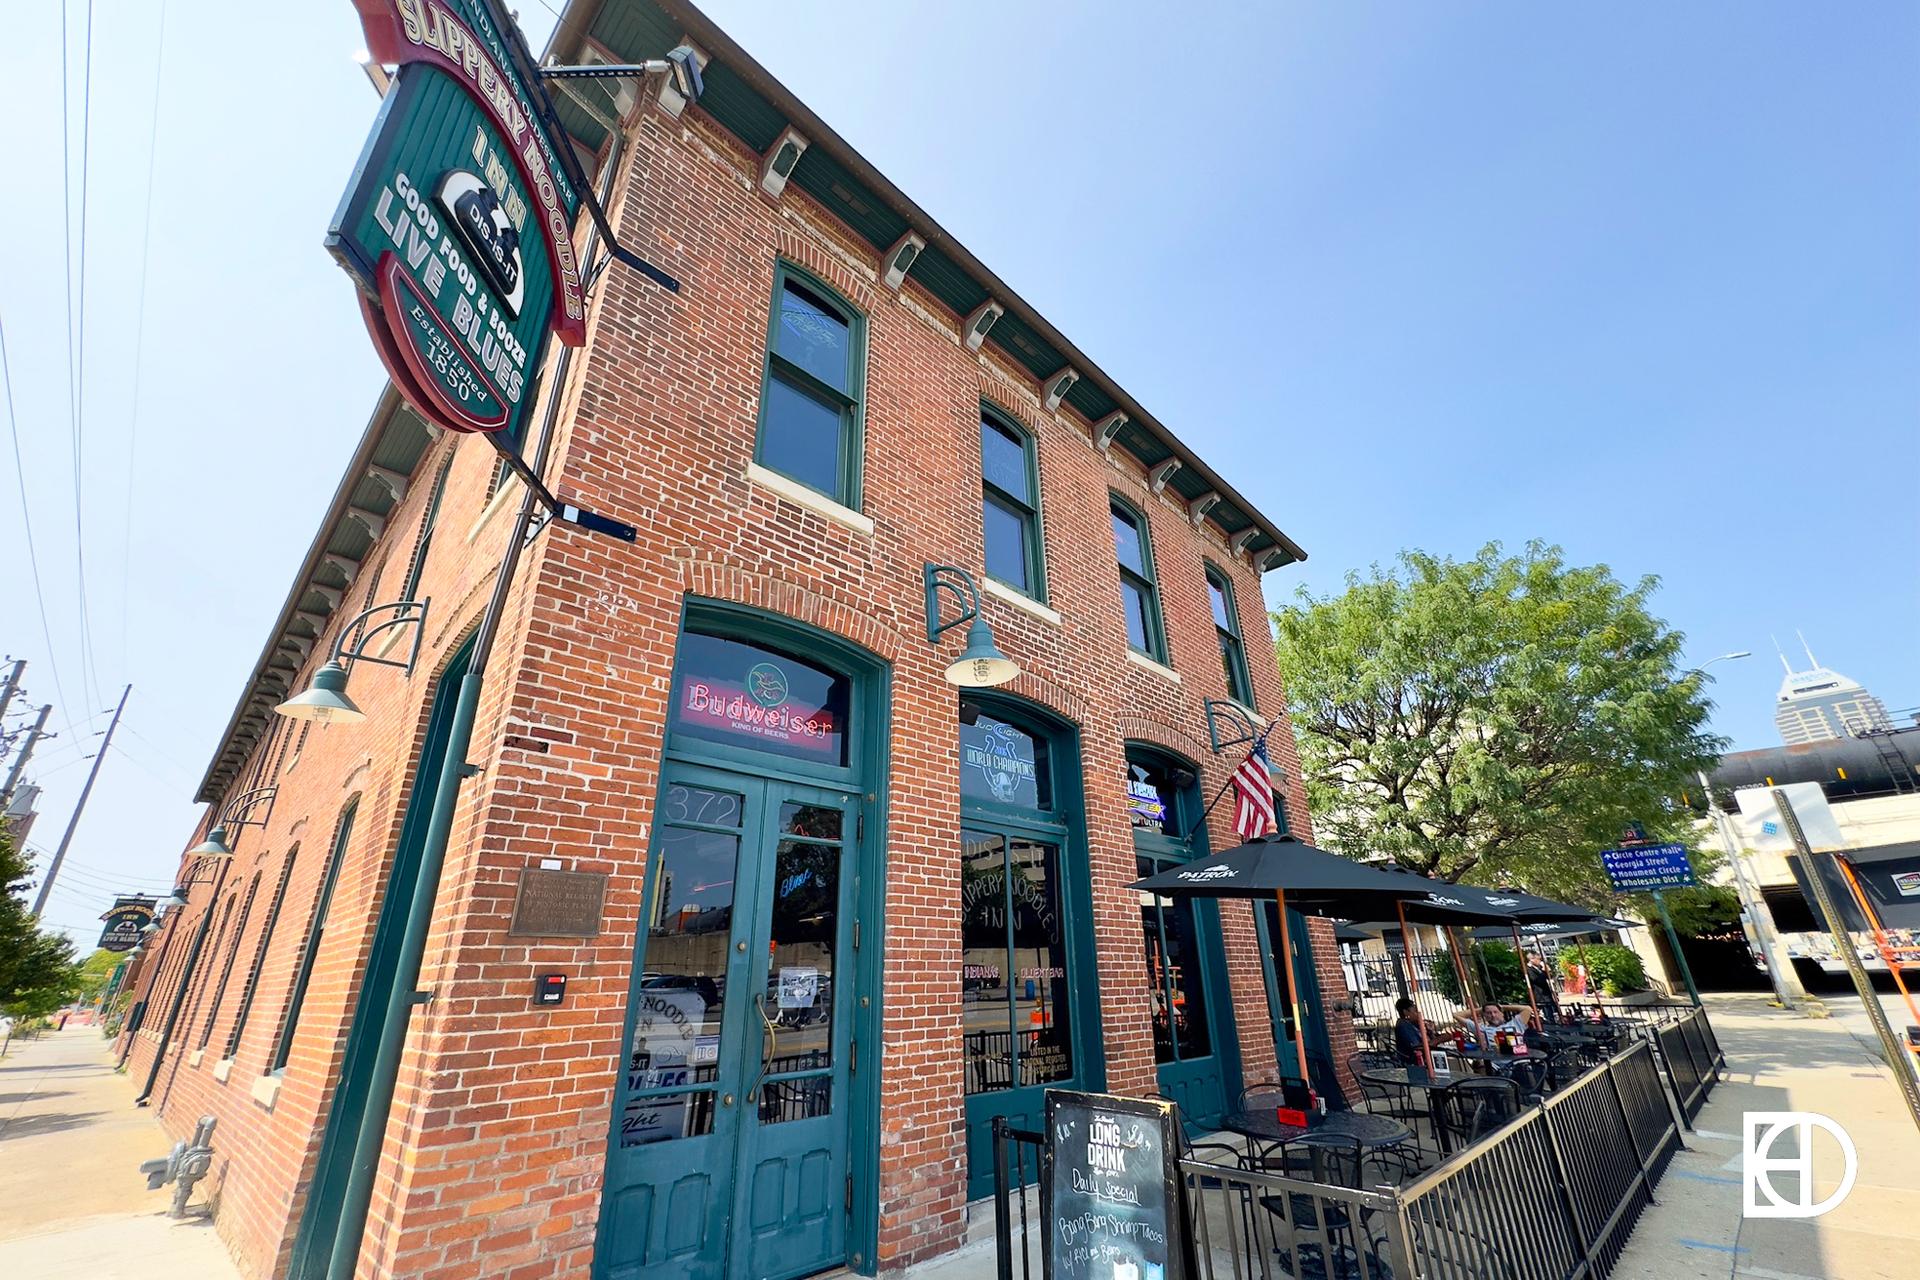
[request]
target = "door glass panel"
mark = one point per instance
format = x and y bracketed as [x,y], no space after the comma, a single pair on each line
[985,1017]
[1173,967]
[798,1001]
[814,821]
[682,990]
[1041,1017]
[745,695]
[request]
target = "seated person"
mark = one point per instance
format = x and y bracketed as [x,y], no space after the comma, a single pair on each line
[1481,1027]
[1408,1048]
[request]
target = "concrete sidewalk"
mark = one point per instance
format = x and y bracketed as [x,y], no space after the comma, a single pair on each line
[72,1202]
[1778,1061]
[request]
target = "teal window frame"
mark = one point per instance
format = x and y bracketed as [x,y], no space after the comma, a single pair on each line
[1031,526]
[418,564]
[1233,648]
[316,930]
[851,400]
[252,987]
[1147,583]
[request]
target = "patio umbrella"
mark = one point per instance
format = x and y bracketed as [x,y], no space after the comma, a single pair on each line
[1543,930]
[1311,881]
[1345,932]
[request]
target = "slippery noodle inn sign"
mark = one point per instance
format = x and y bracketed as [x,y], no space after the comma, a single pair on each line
[458,222]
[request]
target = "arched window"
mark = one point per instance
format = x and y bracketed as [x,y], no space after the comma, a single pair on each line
[316,929]
[1139,593]
[260,954]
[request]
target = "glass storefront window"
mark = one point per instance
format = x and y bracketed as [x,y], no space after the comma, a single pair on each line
[729,691]
[1153,797]
[1003,764]
[1013,977]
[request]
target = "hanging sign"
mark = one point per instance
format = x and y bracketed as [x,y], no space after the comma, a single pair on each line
[125,921]
[458,221]
[1110,1194]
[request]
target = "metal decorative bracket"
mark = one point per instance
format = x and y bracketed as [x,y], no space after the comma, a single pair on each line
[948,577]
[240,811]
[1225,717]
[362,629]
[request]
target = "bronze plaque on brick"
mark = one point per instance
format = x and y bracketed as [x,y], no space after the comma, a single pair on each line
[558,904]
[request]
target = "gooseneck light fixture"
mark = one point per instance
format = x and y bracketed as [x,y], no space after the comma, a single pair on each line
[325,699]
[248,809]
[981,665]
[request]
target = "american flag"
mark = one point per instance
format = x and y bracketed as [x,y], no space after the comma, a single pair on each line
[1253,793]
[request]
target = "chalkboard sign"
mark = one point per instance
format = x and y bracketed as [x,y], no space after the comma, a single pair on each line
[1110,1189]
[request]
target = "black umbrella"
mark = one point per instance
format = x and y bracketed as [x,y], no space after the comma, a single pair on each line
[1344,932]
[1568,929]
[1295,874]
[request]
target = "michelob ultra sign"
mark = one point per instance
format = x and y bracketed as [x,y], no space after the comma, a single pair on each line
[458,222]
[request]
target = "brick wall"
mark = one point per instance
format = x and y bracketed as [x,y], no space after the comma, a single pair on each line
[495,1155]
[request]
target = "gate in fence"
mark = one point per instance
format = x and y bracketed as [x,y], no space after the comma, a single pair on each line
[1553,1194]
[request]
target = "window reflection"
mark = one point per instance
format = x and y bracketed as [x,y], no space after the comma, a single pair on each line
[681,999]
[1173,969]
[1013,977]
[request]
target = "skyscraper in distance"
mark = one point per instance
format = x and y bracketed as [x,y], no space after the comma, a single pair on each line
[1819,703]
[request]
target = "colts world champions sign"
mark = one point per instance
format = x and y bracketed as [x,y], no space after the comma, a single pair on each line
[458,222]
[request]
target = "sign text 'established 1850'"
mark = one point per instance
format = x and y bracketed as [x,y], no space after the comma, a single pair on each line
[458,221]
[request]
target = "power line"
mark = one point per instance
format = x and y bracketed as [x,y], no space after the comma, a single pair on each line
[26,515]
[140,329]
[76,344]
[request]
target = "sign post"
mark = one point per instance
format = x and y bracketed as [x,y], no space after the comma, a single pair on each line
[1843,943]
[1654,868]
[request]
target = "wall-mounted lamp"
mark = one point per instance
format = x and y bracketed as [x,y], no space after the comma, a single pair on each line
[240,813]
[326,698]
[981,665]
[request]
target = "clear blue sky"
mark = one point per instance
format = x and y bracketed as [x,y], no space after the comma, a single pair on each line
[1642,282]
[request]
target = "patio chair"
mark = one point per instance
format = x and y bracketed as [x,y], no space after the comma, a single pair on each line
[1468,1110]
[1531,1078]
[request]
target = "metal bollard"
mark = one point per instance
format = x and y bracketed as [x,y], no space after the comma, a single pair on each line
[184,1166]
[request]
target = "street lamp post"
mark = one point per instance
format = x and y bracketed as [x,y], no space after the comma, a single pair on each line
[1780,971]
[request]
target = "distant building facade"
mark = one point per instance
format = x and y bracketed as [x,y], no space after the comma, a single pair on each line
[1821,704]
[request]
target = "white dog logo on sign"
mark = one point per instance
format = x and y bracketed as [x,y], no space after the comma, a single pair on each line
[1759,1197]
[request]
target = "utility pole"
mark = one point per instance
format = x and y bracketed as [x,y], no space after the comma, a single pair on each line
[59,855]
[1786,982]
[1829,911]
[13,687]
[34,735]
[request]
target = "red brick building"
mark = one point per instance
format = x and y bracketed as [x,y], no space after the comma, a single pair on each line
[851,912]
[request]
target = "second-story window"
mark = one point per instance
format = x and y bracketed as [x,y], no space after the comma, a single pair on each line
[1139,597]
[810,409]
[1010,507]
[1233,651]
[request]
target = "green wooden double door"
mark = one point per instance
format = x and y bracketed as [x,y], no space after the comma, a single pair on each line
[731,1148]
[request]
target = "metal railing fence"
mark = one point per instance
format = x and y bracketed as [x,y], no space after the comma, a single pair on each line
[1551,1195]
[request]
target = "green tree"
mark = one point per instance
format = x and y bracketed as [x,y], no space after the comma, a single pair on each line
[1500,719]
[97,971]
[37,969]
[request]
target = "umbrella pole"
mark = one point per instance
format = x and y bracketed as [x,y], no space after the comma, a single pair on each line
[1413,983]
[1293,1001]
[1526,984]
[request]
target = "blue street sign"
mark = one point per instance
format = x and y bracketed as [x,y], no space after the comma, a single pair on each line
[1648,867]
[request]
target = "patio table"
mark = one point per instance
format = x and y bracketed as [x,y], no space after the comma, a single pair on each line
[1368,1129]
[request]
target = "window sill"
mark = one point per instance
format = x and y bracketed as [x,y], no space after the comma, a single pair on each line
[1019,600]
[1161,669]
[1259,720]
[801,496]
[222,1069]
[266,1090]
[198,1054]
